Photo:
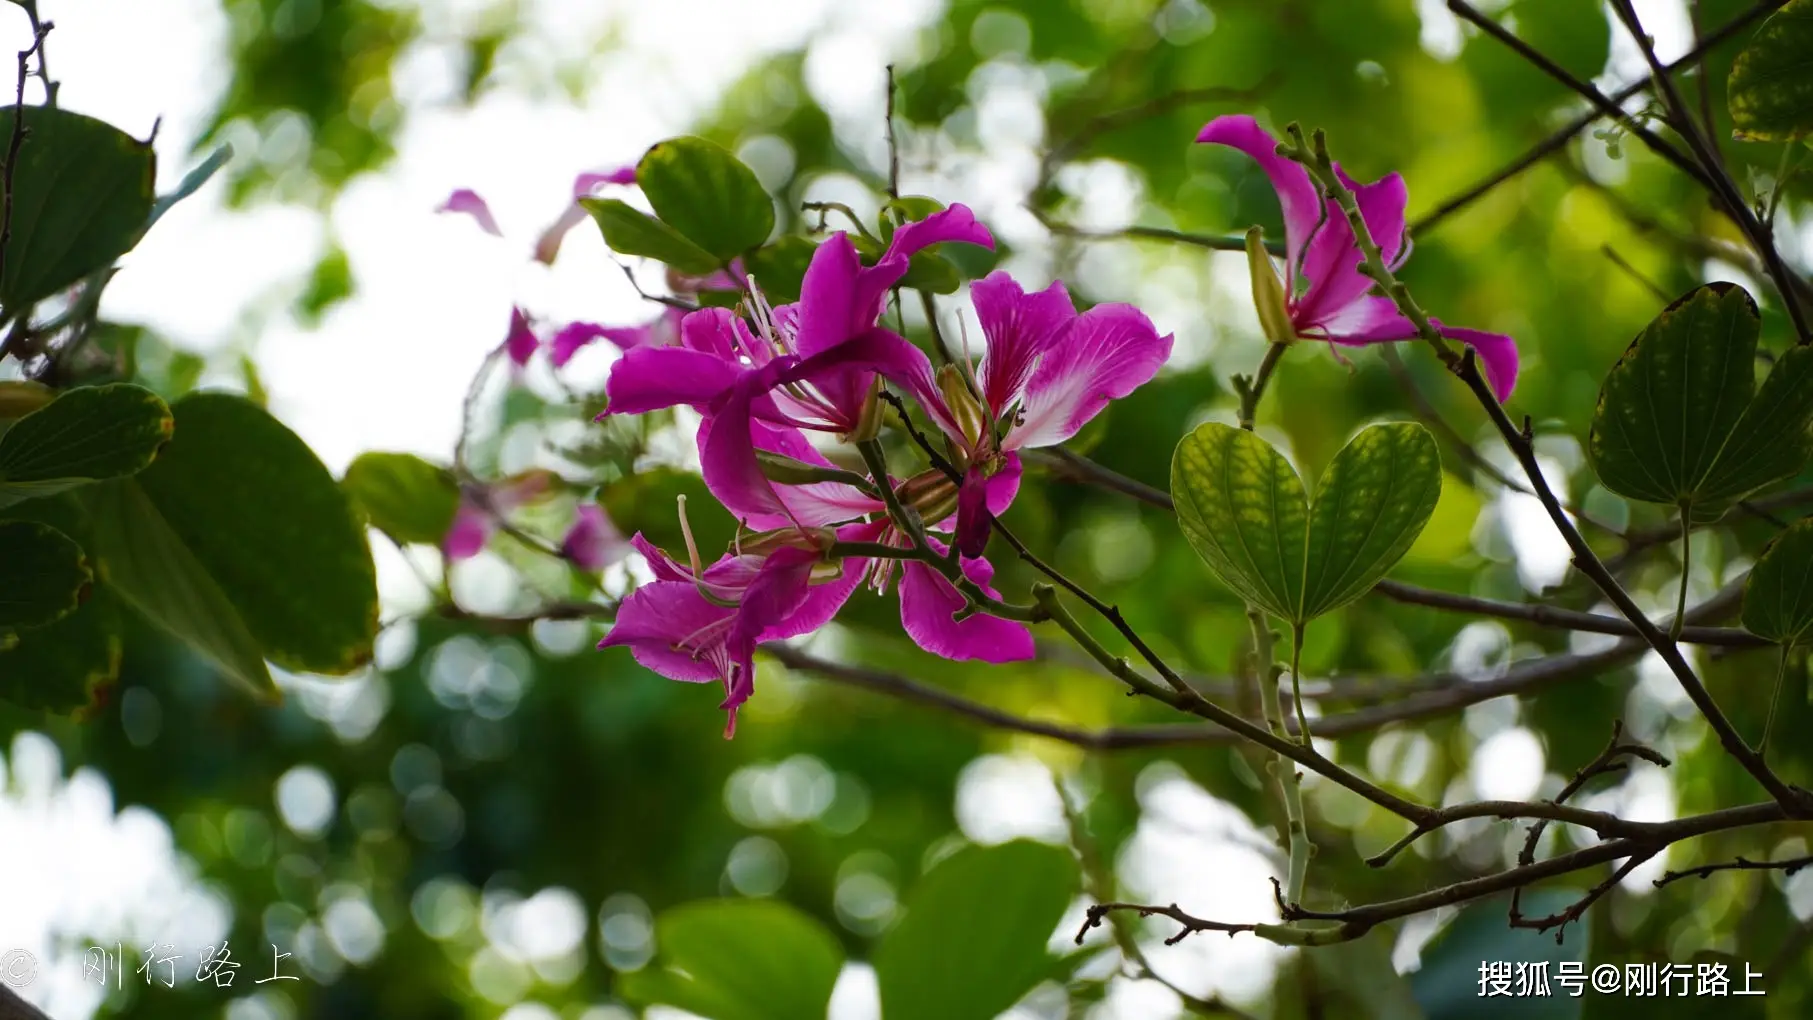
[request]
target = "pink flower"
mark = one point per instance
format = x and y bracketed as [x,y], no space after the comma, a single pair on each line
[701,626]
[1047,372]
[840,300]
[928,600]
[1326,297]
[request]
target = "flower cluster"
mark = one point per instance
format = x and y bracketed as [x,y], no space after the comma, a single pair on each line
[765,380]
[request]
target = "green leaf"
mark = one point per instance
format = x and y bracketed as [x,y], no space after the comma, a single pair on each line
[1370,507]
[403,495]
[1245,512]
[1679,419]
[739,960]
[973,940]
[144,559]
[43,574]
[61,667]
[780,267]
[81,198]
[1771,86]
[273,529]
[1778,600]
[708,195]
[646,502]
[1447,985]
[82,436]
[630,231]
[932,271]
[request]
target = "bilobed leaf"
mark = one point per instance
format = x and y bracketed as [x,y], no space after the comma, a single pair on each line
[1244,511]
[1771,86]
[149,565]
[403,495]
[43,574]
[81,198]
[707,195]
[739,960]
[779,268]
[1369,508]
[1772,441]
[1679,419]
[270,526]
[630,231]
[973,941]
[82,436]
[1778,596]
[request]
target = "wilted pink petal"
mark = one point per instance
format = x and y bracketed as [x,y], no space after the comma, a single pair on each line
[467,201]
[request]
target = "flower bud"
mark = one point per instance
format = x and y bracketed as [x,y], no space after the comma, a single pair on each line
[932,494]
[971,417]
[1268,290]
[869,421]
[765,543]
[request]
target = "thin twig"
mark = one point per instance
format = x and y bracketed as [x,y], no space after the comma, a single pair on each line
[1562,136]
[1714,176]
[16,139]
[1787,867]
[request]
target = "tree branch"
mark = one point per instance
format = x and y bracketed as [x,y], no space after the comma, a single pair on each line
[1562,136]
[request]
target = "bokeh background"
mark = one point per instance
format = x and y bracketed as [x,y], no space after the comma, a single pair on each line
[487,821]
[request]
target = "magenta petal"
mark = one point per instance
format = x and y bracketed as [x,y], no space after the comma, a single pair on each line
[1297,195]
[1332,264]
[467,201]
[827,304]
[928,604]
[1497,356]
[1020,327]
[576,336]
[972,515]
[956,223]
[820,605]
[727,448]
[1004,484]
[471,529]
[657,617]
[714,331]
[816,504]
[522,343]
[1108,352]
[593,542]
[650,378]
[591,181]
